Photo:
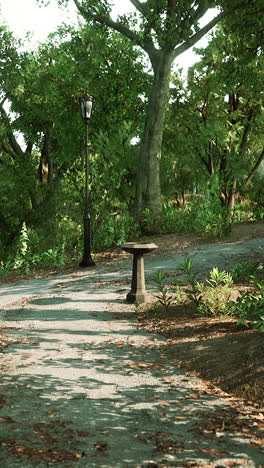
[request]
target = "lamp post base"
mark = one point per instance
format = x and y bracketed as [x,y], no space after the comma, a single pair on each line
[87,262]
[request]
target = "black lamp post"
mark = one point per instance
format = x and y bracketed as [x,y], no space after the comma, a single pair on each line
[86,103]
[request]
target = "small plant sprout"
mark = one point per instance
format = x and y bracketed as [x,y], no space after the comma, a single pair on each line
[219,278]
[137,306]
[178,291]
[192,292]
[163,296]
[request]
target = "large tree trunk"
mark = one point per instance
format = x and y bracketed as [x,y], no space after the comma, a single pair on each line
[148,193]
[232,199]
[45,170]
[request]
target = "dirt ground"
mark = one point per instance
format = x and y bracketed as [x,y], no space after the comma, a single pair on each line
[221,352]
[218,350]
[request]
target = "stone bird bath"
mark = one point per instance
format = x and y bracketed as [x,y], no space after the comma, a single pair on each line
[138,292]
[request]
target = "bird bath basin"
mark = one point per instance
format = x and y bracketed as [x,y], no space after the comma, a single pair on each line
[138,291]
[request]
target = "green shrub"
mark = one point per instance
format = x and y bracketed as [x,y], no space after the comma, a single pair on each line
[191,291]
[115,230]
[244,270]
[25,258]
[164,297]
[215,301]
[210,216]
[215,294]
[175,220]
[212,296]
[250,306]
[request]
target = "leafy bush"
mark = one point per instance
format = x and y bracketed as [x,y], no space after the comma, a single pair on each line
[215,301]
[219,278]
[210,217]
[250,306]
[215,294]
[115,230]
[212,296]
[244,270]
[175,220]
[25,259]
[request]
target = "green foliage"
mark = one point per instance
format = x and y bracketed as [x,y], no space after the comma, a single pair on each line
[212,297]
[215,294]
[40,84]
[176,220]
[214,135]
[164,297]
[250,306]
[178,293]
[23,254]
[26,259]
[115,230]
[215,302]
[210,217]
[247,211]
[219,278]
[244,270]
[209,141]
[192,292]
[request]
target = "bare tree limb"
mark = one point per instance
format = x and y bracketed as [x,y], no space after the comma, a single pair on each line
[140,7]
[16,148]
[7,149]
[254,170]
[200,11]
[197,36]
[247,128]
[29,147]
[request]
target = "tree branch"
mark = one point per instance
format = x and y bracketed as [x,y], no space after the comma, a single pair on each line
[171,8]
[146,44]
[197,36]
[254,170]
[201,10]
[7,149]
[140,7]
[247,128]
[29,147]
[16,148]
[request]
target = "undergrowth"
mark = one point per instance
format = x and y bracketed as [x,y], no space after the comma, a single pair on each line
[212,295]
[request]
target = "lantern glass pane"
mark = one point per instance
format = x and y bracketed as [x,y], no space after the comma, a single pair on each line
[88,108]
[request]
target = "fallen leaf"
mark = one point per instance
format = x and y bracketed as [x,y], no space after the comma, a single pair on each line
[194,395]
[8,420]
[214,452]
[167,380]
[83,433]
[100,446]
[237,462]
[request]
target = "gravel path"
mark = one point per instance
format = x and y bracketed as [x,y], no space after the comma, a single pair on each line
[82,386]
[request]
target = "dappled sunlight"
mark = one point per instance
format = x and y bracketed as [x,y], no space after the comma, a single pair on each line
[127,424]
[85,385]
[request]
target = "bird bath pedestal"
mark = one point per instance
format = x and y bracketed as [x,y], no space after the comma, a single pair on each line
[138,292]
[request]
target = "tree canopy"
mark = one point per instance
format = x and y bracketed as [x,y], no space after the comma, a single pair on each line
[166,153]
[164,30]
